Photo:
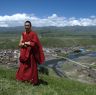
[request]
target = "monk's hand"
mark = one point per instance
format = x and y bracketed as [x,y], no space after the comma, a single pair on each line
[21,44]
[27,43]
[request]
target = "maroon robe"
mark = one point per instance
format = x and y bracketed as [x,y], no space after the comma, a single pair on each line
[30,56]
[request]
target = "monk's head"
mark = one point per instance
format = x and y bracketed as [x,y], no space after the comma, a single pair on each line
[28,26]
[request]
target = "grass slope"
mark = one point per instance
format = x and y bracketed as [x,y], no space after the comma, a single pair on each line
[12,42]
[56,86]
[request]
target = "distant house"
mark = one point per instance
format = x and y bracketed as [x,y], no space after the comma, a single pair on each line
[79,50]
[57,50]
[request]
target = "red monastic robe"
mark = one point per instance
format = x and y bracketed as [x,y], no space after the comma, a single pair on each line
[29,57]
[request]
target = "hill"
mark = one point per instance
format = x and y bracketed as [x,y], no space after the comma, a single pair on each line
[54,31]
[48,86]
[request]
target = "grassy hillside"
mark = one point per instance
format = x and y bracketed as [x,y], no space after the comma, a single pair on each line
[54,86]
[12,40]
[67,41]
[51,36]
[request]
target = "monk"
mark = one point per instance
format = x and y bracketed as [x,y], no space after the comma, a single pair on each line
[31,54]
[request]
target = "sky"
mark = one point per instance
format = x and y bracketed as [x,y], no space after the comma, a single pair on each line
[48,12]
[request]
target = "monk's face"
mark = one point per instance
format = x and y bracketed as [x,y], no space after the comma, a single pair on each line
[27,26]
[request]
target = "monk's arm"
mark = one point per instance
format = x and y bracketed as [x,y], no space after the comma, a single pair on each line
[20,43]
[33,41]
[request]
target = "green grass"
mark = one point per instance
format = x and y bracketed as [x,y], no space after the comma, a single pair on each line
[67,42]
[56,86]
[11,41]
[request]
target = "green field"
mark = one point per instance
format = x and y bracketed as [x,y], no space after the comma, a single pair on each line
[54,86]
[51,36]
[12,40]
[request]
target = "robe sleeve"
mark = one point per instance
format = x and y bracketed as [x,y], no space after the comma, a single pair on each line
[37,48]
[32,43]
[34,40]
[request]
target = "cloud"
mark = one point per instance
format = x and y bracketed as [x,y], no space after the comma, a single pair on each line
[53,20]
